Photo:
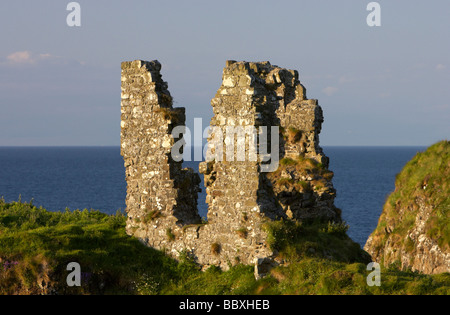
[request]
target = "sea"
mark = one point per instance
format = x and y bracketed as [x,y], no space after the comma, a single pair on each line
[58,178]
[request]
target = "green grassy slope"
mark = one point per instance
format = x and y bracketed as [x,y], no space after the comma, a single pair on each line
[421,197]
[36,246]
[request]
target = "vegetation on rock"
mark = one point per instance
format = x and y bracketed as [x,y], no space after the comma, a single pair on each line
[413,231]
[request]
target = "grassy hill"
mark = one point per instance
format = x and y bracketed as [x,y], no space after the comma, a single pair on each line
[36,245]
[414,228]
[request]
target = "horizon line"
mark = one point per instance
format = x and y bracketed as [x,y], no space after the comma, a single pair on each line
[118,146]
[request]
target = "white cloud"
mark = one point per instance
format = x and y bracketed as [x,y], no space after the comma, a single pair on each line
[440,67]
[20,57]
[330,90]
[26,57]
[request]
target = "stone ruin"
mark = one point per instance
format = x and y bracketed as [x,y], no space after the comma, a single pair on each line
[162,195]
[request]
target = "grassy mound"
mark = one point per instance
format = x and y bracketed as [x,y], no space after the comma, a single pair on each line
[427,176]
[420,205]
[36,246]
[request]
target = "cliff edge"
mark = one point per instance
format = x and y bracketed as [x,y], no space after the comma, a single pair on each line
[413,230]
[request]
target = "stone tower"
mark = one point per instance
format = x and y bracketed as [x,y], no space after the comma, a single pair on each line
[261,95]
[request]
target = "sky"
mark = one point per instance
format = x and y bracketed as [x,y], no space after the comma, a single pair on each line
[382,85]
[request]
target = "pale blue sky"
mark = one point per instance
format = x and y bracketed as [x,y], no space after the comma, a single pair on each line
[385,85]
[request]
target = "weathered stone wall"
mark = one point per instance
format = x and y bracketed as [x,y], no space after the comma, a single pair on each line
[161,200]
[259,94]
[160,194]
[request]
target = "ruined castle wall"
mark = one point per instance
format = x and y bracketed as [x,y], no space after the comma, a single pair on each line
[160,194]
[259,94]
[162,197]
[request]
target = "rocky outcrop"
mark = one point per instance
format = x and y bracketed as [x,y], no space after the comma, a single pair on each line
[413,230]
[270,167]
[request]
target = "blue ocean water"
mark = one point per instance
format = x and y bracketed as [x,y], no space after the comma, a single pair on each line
[94,178]
[364,177]
[60,177]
